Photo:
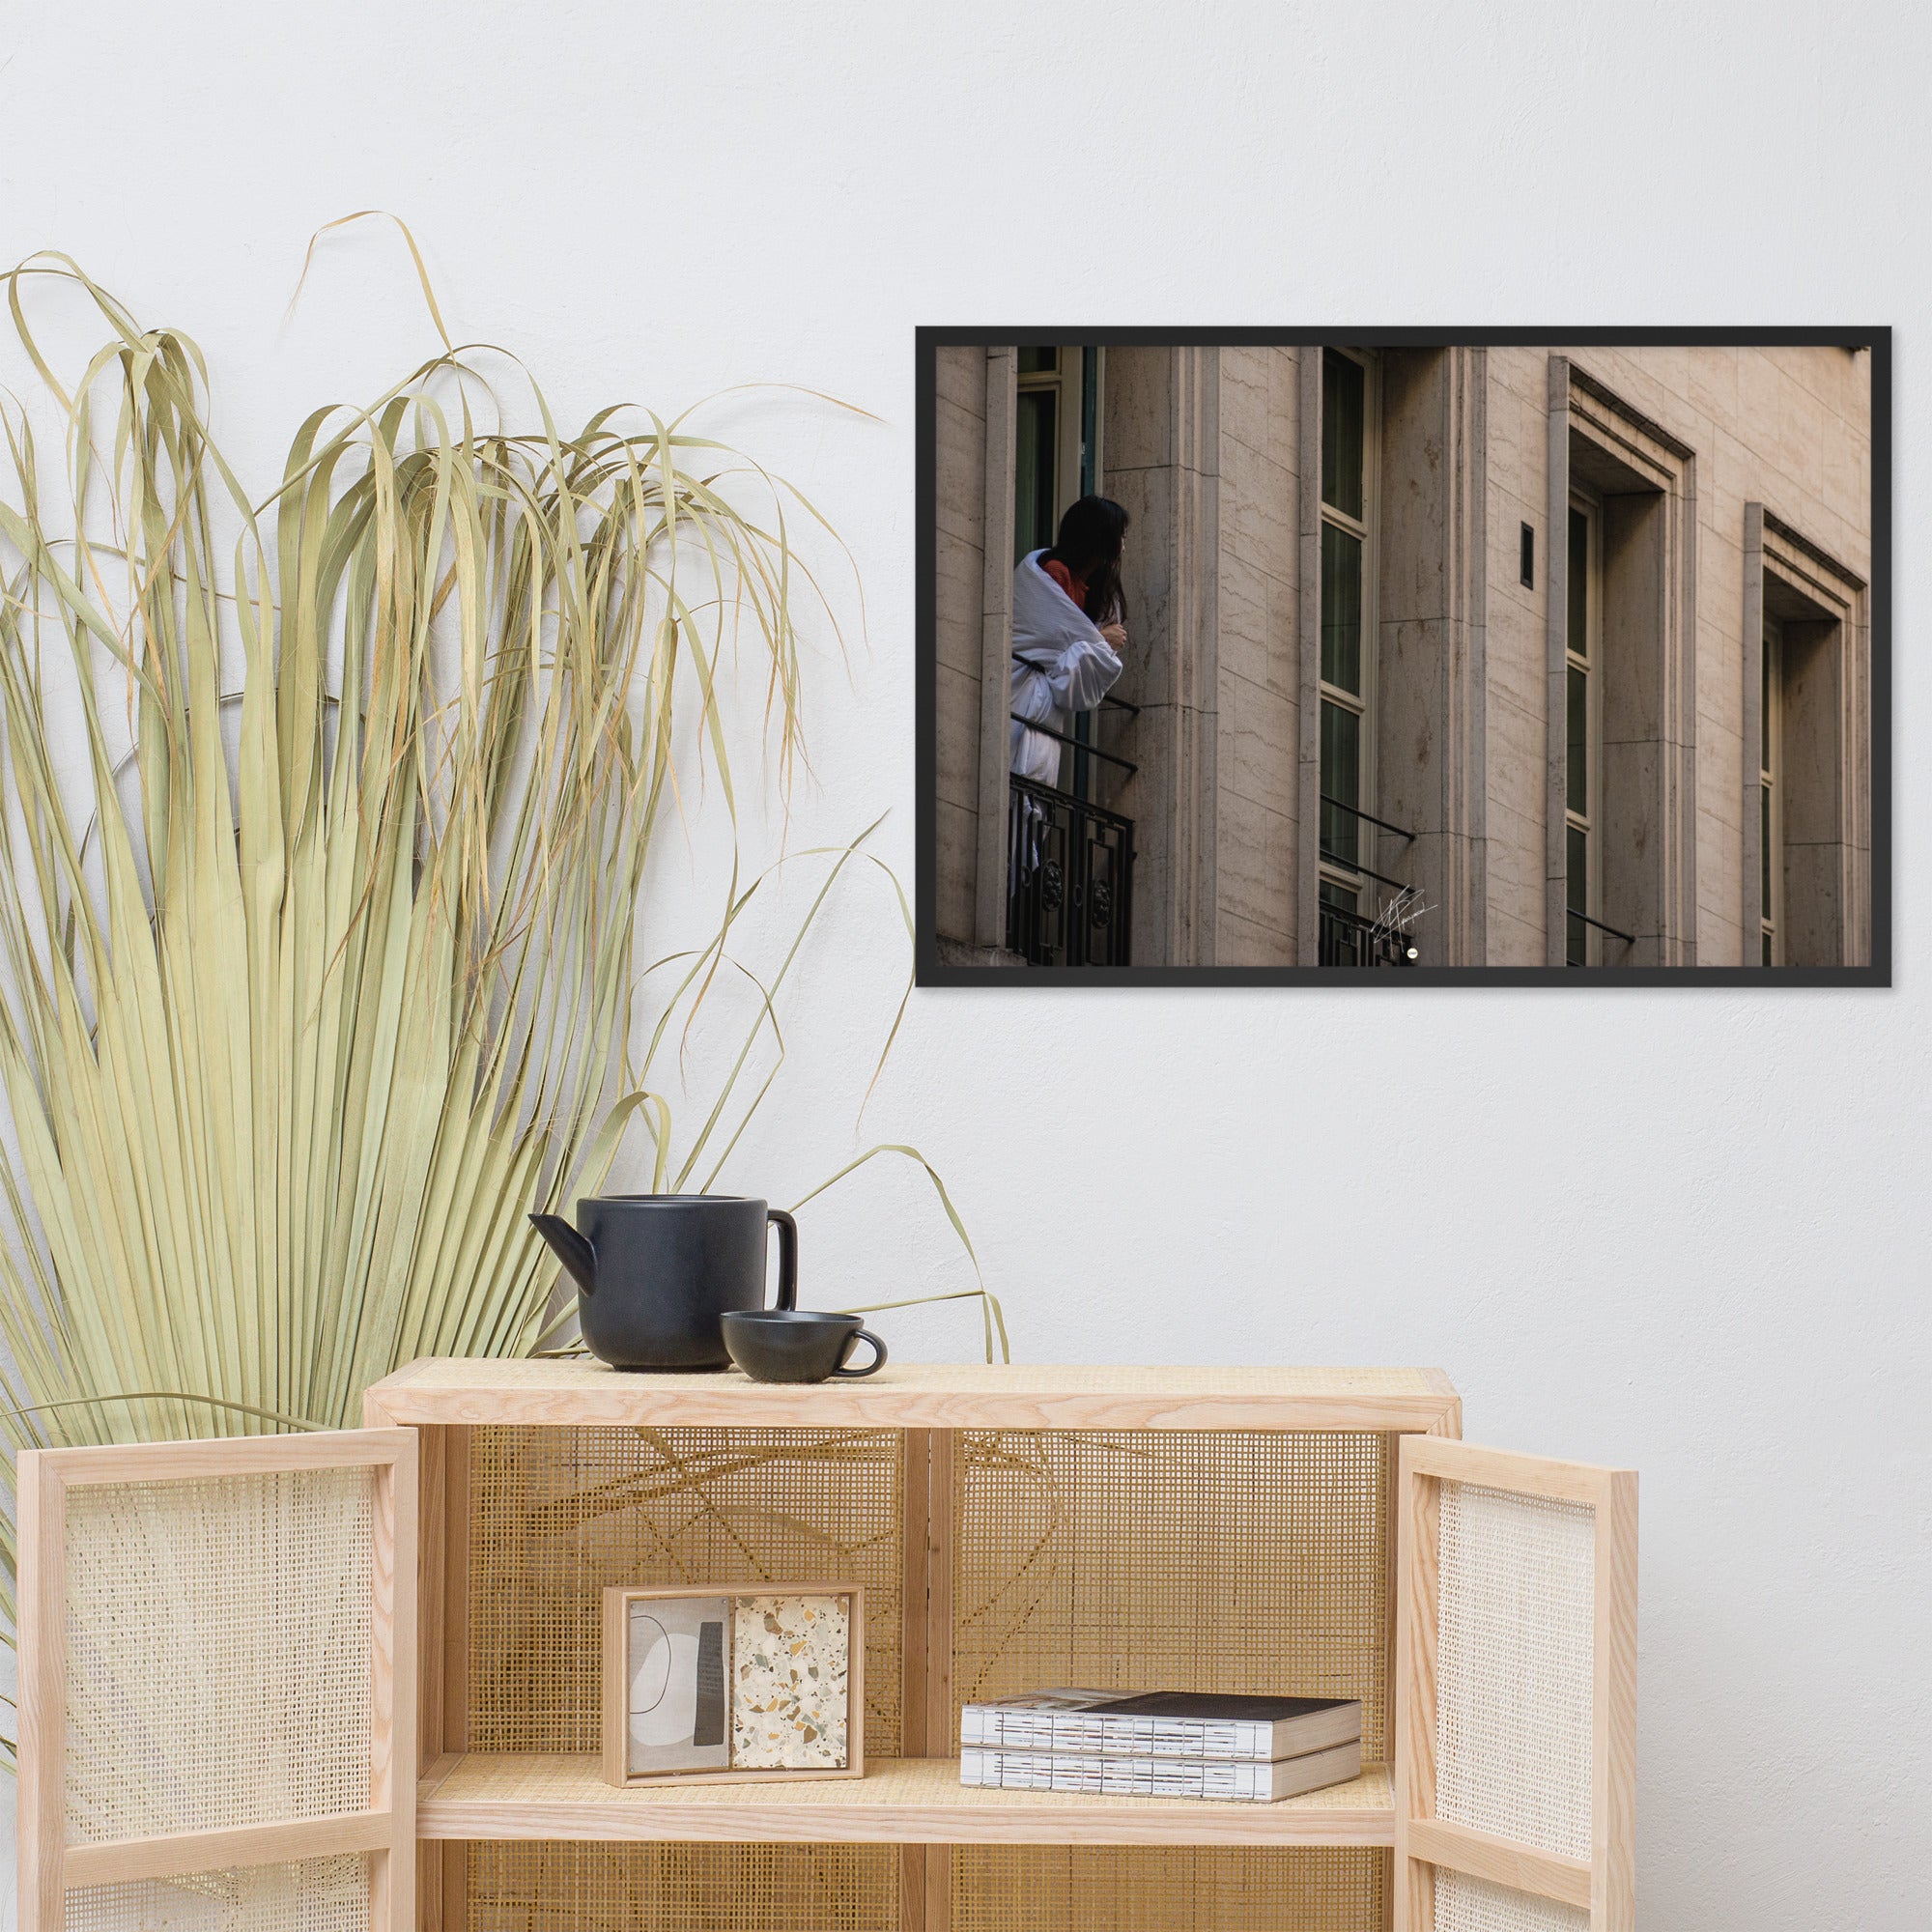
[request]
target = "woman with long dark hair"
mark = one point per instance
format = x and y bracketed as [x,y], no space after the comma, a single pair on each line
[1069,629]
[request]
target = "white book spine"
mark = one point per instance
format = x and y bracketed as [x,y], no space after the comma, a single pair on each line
[1015,1729]
[1116,1776]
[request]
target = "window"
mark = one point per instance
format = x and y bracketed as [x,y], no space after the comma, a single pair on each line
[1055,441]
[1348,623]
[1806,884]
[1583,737]
[1771,799]
[1622,881]
[1037,453]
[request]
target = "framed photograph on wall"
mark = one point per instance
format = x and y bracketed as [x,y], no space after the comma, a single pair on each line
[1401,656]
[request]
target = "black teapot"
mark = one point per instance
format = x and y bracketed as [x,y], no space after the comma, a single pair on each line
[656,1272]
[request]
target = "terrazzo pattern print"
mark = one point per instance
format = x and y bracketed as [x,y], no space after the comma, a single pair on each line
[790,1658]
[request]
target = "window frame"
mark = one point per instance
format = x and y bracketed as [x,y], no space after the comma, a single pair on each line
[1067,380]
[1590,821]
[1771,786]
[1353,882]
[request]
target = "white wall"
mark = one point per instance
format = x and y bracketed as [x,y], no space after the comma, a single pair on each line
[1683,1231]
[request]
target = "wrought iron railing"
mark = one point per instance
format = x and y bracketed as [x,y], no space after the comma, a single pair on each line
[1344,937]
[1348,939]
[1069,878]
[1576,950]
[1085,741]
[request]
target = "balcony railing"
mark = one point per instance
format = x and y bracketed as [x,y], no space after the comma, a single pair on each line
[1069,878]
[1580,926]
[1347,939]
[1343,936]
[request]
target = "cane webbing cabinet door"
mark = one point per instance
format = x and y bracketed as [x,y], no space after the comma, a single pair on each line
[217,1695]
[1515,1692]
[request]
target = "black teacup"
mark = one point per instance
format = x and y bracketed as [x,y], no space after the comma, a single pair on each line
[792,1344]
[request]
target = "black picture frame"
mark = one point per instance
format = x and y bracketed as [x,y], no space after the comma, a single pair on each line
[930,972]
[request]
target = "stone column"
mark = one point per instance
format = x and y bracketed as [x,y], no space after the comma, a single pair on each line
[996,648]
[1431,577]
[1161,444]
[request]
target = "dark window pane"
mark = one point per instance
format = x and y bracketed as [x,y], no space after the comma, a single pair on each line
[1342,405]
[1033,473]
[1579,584]
[1089,417]
[1577,793]
[1340,895]
[1764,851]
[1577,897]
[1039,362]
[1767,660]
[1341,779]
[1341,610]
[1766,938]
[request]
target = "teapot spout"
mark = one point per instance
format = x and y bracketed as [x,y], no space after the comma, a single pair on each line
[570,1248]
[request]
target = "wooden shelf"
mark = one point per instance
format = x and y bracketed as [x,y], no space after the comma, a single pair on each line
[580,1392]
[898,1802]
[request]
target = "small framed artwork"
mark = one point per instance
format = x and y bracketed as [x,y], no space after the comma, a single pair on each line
[752,1684]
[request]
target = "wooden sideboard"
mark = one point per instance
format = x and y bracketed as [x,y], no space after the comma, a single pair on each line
[1318,1530]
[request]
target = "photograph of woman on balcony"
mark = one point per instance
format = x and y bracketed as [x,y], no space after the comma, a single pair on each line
[1069,631]
[1069,627]
[1447,654]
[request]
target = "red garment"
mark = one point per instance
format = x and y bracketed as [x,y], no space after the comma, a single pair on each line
[1074,586]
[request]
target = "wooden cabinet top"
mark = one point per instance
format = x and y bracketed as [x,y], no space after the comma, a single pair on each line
[919,1395]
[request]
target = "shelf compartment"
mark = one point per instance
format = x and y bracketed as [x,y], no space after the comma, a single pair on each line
[1203,1560]
[556,1515]
[899,1801]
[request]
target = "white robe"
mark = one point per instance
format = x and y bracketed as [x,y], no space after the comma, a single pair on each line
[1068,666]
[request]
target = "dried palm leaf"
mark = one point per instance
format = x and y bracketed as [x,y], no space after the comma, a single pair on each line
[320,973]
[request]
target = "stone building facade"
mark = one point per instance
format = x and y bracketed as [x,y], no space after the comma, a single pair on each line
[1571,643]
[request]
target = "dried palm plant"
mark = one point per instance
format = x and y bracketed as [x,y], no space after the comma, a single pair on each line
[318,973]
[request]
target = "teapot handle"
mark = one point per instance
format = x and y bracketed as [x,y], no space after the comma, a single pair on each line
[787,1257]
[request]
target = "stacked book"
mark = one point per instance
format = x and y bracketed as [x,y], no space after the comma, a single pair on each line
[1164,1744]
